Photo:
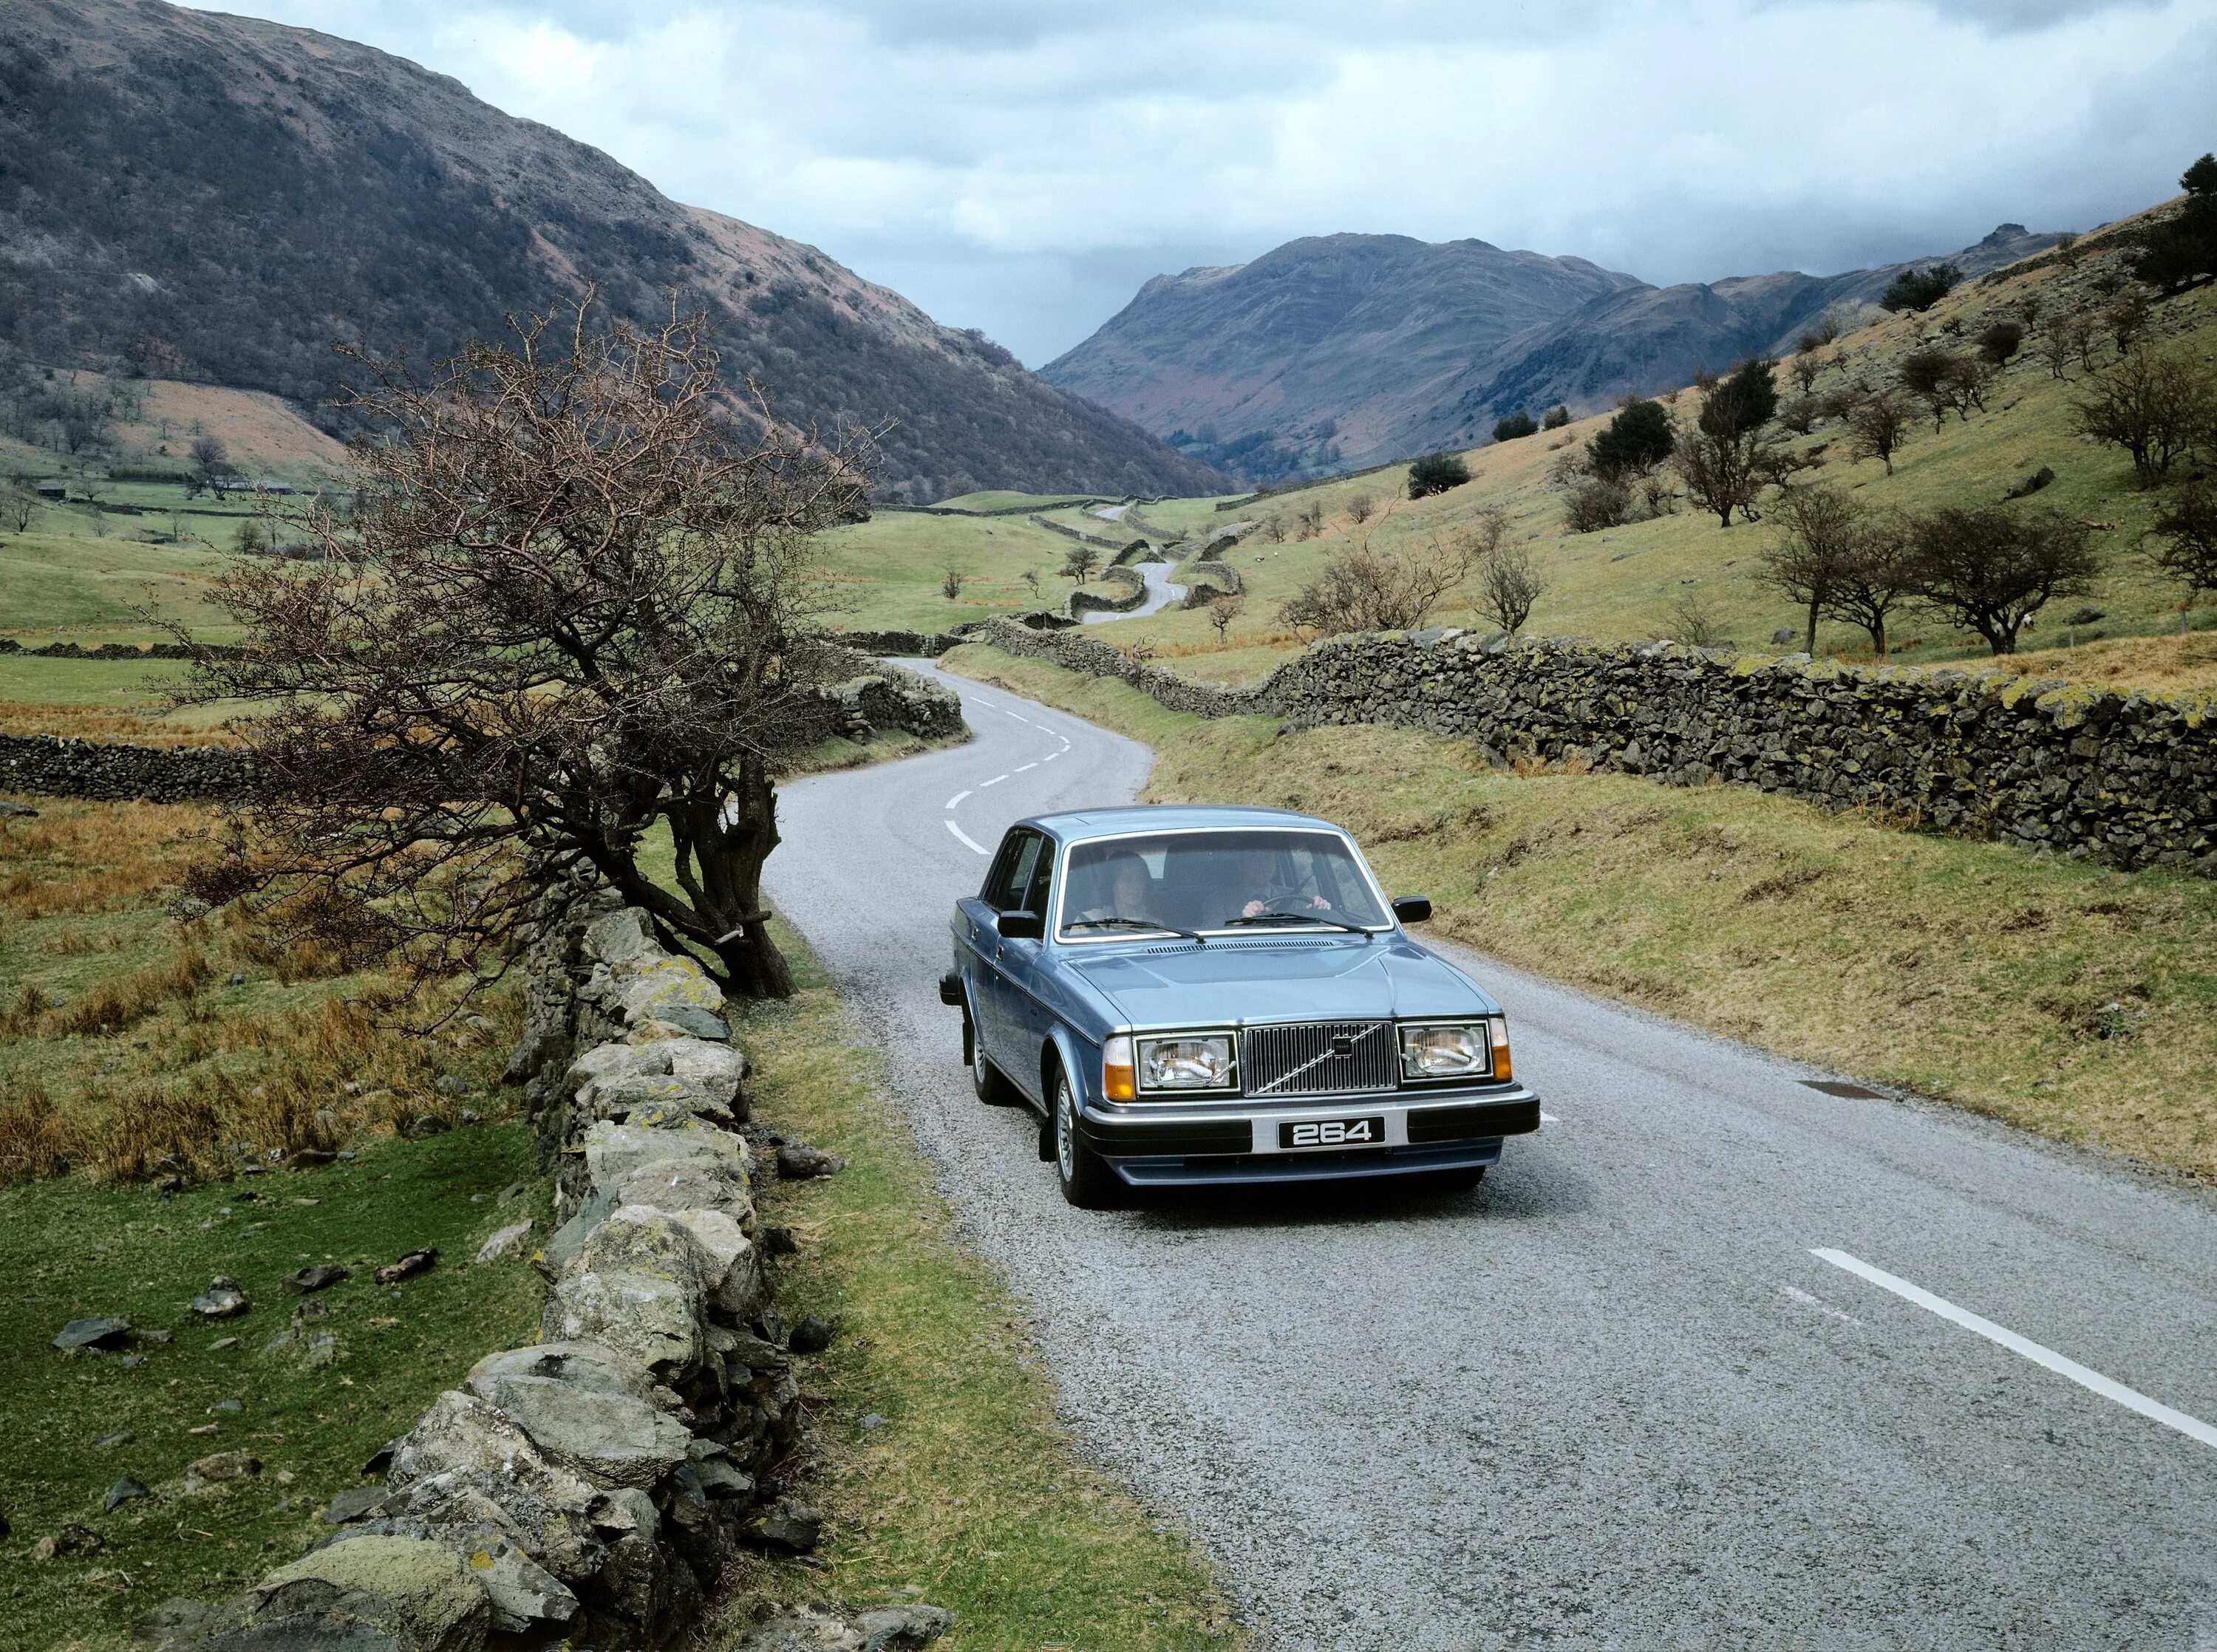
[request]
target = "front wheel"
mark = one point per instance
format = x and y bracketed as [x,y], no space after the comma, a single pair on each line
[1086,1181]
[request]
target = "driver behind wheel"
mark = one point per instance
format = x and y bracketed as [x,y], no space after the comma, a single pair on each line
[1259,870]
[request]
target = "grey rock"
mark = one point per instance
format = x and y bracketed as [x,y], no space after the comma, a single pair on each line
[415,1262]
[223,1345]
[692,1021]
[570,1237]
[222,1300]
[426,1125]
[613,1151]
[687,1185]
[319,1277]
[220,1468]
[2086,615]
[352,1504]
[873,1422]
[132,1362]
[451,1084]
[818,1628]
[1784,634]
[361,1592]
[582,1365]
[612,1437]
[523,1594]
[794,1527]
[173,1625]
[109,1442]
[322,1350]
[779,1242]
[123,1491]
[502,1241]
[798,1163]
[640,1288]
[100,1333]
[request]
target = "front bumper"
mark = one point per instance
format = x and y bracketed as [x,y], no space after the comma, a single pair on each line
[1153,1144]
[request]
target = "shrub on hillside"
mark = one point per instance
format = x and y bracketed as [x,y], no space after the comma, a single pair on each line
[1918,290]
[1991,569]
[1731,456]
[1514,428]
[1633,443]
[1366,588]
[2187,530]
[1436,473]
[1599,503]
[2001,341]
[2182,250]
[1555,418]
[2156,403]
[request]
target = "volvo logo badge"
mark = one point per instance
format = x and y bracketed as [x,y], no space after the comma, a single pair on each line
[1342,1044]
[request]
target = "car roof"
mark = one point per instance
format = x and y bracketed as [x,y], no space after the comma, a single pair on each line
[1169,817]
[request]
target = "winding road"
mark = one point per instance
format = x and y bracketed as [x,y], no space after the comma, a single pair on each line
[1160,595]
[1717,1360]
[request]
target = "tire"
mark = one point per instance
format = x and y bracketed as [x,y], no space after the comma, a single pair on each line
[986,1081]
[1086,1181]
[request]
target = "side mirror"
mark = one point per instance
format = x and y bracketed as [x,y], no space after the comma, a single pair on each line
[1020,926]
[1412,909]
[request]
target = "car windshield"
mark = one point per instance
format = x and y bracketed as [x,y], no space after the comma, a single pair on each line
[1226,880]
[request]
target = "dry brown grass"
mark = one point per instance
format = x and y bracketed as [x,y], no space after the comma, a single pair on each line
[116,1004]
[35,1140]
[105,723]
[2166,664]
[80,858]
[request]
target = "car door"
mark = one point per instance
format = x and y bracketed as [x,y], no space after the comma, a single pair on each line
[1021,964]
[1000,1007]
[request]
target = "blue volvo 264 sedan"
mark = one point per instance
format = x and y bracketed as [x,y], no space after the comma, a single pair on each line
[1202,995]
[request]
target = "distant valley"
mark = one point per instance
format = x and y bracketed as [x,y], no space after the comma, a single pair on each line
[1335,352]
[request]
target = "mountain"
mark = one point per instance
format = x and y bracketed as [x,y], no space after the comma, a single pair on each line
[1339,351]
[1309,357]
[190,195]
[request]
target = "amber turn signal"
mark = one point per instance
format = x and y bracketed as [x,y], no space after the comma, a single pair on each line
[1502,1070]
[1117,1081]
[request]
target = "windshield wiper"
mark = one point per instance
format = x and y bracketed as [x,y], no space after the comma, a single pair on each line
[1136,923]
[1300,917]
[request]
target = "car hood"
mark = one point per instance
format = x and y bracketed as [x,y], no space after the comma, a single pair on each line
[1225,982]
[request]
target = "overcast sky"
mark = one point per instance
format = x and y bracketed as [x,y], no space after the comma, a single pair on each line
[1021,167]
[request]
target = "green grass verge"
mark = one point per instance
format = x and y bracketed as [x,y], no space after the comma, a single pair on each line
[75,1247]
[2064,998]
[967,1494]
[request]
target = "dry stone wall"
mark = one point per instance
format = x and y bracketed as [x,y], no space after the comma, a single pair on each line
[2128,779]
[588,1490]
[878,696]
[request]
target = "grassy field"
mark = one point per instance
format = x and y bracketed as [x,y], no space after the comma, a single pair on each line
[132,1044]
[2068,1000]
[961,1490]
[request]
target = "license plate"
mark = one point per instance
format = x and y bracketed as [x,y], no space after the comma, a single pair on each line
[1332,1132]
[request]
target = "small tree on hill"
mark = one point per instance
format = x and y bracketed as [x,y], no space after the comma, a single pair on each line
[1989,570]
[1514,428]
[1875,580]
[1366,586]
[2001,341]
[19,507]
[2186,529]
[577,613]
[1031,578]
[2156,403]
[1223,613]
[209,456]
[1633,443]
[1078,564]
[1731,457]
[1876,426]
[1918,290]
[1509,582]
[2182,249]
[1436,473]
[1821,535]
[1555,418]
[952,581]
[1360,509]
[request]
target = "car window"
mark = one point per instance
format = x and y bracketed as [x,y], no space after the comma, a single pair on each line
[1013,868]
[1035,892]
[1206,880]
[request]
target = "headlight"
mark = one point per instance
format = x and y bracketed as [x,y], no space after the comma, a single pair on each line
[1455,1051]
[1189,1063]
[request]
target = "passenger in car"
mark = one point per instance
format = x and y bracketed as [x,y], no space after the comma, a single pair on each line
[1116,888]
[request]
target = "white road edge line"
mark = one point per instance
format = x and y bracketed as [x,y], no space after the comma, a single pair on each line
[996,780]
[966,838]
[956,798]
[2131,1399]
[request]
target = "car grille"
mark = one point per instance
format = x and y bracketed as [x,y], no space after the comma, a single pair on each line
[1321,1058]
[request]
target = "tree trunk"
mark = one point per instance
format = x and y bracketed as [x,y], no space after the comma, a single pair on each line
[1809,645]
[730,853]
[1878,639]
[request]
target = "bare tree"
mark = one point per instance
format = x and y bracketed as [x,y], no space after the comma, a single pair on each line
[1509,582]
[1876,426]
[1695,619]
[19,507]
[1731,455]
[2156,403]
[576,613]
[1819,535]
[209,455]
[2063,340]
[952,581]
[1875,580]
[1223,612]
[1990,570]
[2187,527]
[1360,507]
[1364,587]
[1031,578]
[1310,517]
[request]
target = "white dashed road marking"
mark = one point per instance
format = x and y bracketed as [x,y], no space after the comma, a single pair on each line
[1022,766]
[956,798]
[2131,1399]
[966,838]
[996,780]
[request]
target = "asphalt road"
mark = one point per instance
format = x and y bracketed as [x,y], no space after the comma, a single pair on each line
[1614,1397]
[1160,595]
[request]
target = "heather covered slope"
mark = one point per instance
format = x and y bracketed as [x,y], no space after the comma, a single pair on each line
[190,195]
[1340,351]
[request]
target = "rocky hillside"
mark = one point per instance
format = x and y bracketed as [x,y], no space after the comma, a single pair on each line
[194,196]
[1339,351]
